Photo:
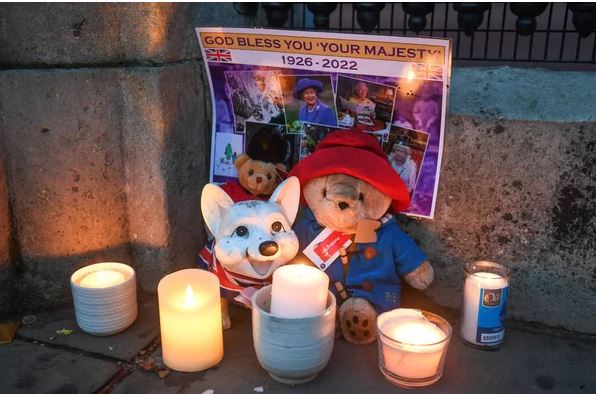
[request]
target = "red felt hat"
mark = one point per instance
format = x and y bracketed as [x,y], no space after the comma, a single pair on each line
[357,154]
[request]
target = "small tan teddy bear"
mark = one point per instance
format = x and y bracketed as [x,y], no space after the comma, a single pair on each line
[261,168]
[259,178]
[351,189]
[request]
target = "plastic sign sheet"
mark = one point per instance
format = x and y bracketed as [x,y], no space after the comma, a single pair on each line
[304,85]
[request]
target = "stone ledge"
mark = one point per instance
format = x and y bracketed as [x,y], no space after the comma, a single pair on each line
[83,34]
[524,94]
[99,35]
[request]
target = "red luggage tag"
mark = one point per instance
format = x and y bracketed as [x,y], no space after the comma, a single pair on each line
[324,249]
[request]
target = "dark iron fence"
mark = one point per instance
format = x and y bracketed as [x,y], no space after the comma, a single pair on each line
[495,32]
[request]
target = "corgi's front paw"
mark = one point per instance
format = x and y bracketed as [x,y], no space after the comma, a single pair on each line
[226,322]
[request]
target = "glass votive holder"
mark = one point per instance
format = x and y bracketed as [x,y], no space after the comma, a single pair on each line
[484,304]
[104,297]
[412,346]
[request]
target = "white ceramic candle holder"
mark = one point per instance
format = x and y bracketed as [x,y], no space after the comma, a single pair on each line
[292,350]
[408,364]
[105,310]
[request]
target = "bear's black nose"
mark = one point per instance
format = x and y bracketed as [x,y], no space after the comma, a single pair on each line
[268,248]
[343,205]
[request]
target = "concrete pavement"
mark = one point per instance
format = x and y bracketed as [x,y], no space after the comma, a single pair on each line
[80,363]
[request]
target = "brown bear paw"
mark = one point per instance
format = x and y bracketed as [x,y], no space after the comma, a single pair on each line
[358,321]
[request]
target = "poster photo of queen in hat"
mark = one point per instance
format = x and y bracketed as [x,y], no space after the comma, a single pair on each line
[308,99]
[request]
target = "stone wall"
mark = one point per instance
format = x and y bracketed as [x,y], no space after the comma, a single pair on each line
[105,130]
[520,193]
[6,268]
[105,137]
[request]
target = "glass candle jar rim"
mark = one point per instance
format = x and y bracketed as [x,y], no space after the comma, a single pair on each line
[426,315]
[488,267]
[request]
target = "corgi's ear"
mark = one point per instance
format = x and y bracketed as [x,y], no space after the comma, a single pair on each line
[287,196]
[214,203]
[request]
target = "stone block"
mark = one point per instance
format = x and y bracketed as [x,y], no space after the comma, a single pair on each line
[522,194]
[165,131]
[5,240]
[62,138]
[90,34]
[104,164]
[76,34]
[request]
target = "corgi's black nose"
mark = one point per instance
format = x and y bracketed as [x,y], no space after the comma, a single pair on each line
[343,205]
[268,248]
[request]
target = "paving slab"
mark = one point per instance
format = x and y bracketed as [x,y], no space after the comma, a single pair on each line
[34,368]
[527,363]
[123,346]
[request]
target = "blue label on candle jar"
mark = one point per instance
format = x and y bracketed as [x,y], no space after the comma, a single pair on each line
[491,316]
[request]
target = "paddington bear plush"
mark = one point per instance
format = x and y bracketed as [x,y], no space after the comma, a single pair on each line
[261,168]
[352,192]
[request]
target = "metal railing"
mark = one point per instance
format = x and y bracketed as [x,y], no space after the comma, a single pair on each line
[494,32]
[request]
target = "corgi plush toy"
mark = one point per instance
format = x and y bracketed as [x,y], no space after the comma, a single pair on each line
[251,240]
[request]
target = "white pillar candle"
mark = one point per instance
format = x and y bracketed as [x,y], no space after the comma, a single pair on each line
[298,291]
[190,320]
[483,308]
[102,279]
[412,348]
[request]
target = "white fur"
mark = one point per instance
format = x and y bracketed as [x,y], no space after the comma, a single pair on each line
[240,254]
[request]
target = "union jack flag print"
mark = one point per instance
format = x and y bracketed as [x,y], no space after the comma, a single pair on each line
[218,55]
[427,71]
[232,286]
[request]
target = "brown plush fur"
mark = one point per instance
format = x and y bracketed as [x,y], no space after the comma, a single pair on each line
[323,196]
[258,177]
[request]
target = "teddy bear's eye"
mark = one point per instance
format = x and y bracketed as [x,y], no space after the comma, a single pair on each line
[268,176]
[361,197]
[324,193]
[276,226]
[241,231]
[250,172]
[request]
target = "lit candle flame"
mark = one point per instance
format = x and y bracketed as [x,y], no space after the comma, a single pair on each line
[189,300]
[410,75]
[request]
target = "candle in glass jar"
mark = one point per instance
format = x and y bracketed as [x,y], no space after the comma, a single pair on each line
[298,291]
[411,347]
[483,311]
[102,279]
[190,320]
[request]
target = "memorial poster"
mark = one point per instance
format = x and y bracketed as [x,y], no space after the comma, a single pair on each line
[307,84]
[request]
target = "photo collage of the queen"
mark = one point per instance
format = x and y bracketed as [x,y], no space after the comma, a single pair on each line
[404,114]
